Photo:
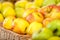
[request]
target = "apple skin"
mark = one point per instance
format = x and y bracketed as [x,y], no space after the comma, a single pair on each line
[1,18]
[8,22]
[21,4]
[9,12]
[47,21]
[55,13]
[49,2]
[35,16]
[46,10]
[34,27]
[58,4]
[0,6]
[29,11]
[38,2]
[5,5]
[19,12]
[54,38]
[43,34]
[54,26]
[20,25]
[31,5]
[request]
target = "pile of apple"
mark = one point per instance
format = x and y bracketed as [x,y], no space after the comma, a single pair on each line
[40,18]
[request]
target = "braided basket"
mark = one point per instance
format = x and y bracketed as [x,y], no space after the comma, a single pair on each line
[9,35]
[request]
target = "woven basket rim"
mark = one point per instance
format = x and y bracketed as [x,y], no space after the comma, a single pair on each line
[12,32]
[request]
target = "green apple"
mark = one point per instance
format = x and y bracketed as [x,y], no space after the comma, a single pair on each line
[54,26]
[43,34]
[49,2]
[57,1]
[19,11]
[58,4]
[54,38]
[57,33]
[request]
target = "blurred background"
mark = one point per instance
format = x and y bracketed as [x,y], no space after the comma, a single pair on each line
[13,1]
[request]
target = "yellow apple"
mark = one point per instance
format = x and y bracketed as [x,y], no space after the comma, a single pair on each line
[27,0]
[1,18]
[31,5]
[0,6]
[38,2]
[21,4]
[9,12]
[6,4]
[34,27]
[20,25]
[8,22]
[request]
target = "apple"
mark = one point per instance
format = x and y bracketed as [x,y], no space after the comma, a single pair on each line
[55,13]
[8,12]
[28,11]
[36,16]
[6,4]
[31,5]
[33,27]
[54,38]
[20,25]
[49,2]
[19,12]
[1,18]
[0,6]
[33,15]
[28,0]
[21,4]
[54,26]
[57,1]
[38,2]
[46,10]
[43,34]
[58,4]
[46,21]
[8,22]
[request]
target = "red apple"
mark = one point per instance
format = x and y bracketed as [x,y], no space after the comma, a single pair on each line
[35,16]
[28,12]
[46,10]
[55,13]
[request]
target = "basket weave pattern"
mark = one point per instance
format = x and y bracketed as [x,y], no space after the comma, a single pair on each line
[9,35]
